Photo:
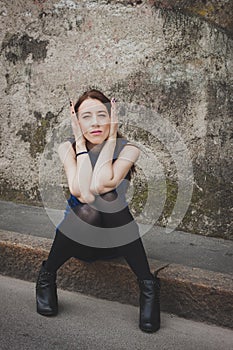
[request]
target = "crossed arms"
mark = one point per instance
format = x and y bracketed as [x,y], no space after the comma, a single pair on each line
[85,182]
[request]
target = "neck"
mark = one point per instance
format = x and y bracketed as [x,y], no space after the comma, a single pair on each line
[94,147]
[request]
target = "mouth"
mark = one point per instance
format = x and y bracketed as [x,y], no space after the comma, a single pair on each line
[96,132]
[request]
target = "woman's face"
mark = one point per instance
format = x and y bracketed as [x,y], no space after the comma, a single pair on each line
[93,116]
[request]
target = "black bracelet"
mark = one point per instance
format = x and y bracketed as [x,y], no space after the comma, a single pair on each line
[77,154]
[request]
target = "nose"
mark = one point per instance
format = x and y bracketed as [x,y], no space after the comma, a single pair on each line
[94,120]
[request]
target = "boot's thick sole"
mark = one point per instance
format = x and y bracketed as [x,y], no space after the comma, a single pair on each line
[45,310]
[148,328]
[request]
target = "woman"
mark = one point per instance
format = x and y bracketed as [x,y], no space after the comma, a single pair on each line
[96,163]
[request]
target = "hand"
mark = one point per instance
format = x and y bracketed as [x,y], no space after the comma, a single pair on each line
[114,120]
[79,138]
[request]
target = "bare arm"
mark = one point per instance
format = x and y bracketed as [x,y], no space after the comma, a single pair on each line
[78,171]
[119,169]
[103,170]
[107,176]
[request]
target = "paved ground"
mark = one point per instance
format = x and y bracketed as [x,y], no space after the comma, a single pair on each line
[209,253]
[87,323]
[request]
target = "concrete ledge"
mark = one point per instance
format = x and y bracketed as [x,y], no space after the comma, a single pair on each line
[188,292]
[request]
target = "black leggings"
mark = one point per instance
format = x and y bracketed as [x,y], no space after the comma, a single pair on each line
[63,247]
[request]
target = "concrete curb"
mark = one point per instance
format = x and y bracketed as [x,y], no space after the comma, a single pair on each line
[189,292]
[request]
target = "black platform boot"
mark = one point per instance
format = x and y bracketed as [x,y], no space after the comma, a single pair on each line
[46,292]
[149,319]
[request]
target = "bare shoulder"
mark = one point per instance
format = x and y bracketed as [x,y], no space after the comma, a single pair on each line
[64,147]
[131,144]
[130,151]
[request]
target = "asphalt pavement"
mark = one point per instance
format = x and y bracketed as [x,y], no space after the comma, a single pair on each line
[88,323]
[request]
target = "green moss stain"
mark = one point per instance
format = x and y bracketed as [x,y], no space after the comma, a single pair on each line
[203,11]
[171,195]
[140,195]
[209,211]
[36,134]
[155,190]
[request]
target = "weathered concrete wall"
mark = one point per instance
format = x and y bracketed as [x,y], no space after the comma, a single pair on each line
[217,12]
[156,54]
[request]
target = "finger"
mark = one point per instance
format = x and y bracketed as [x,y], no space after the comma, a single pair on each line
[115,116]
[72,108]
[113,105]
